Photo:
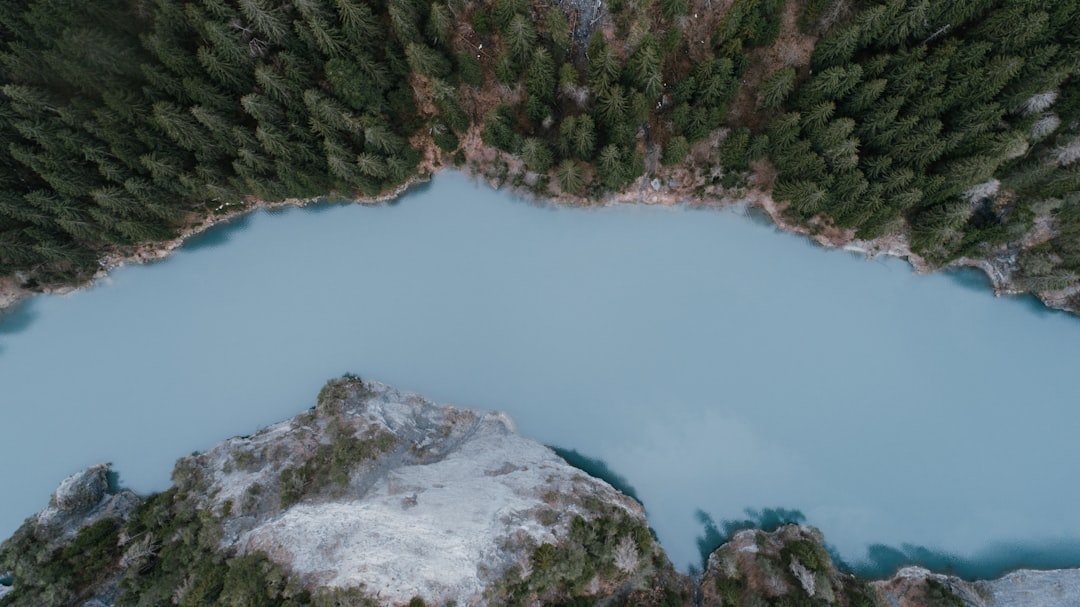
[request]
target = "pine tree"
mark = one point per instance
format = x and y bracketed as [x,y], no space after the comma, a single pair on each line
[439,24]
[520,38]
[584,137]
[427,61]
[806,196]
[268,21]
[570,177]
[611,167]
[536,155]
[775,89]
[611,105]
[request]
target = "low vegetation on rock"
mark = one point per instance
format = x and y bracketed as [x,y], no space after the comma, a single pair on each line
[423,504]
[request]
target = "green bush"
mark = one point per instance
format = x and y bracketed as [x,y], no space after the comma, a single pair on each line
[675,151]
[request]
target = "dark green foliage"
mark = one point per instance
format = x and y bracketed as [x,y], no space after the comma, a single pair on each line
[617,167]
[128,121]
[444,137]
[775,89]
[810,554]
[703,97]
[334,462]
[182,564]
[469,69]
[730,589]
[674,8]
[427,61]
[749,23]
[675,151]
[537,155]
[122,125]
[570,176]
[558,28]
[498,130]
[937,595]
[59,576]
[904,114]
[734,150]
[562,571]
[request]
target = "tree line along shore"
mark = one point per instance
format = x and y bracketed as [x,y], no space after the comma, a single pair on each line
[955,126]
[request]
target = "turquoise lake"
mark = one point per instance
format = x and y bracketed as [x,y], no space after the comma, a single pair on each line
[714,363]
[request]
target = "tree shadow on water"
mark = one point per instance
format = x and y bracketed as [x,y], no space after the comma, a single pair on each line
[715,535]
[219,234]
[598,468]
[114,484]
[883,561]
[995,561]
[16,320]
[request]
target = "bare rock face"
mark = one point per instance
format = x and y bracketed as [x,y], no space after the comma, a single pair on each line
[918,587]
[787,565]
[384,489]
[81,500]
[82,490]
[1060,588]
[383,493]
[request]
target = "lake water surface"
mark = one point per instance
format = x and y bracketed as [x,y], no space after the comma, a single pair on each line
[714,363]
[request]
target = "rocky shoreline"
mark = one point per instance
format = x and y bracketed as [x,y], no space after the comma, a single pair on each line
[12,291]
[666,190]
[380,497]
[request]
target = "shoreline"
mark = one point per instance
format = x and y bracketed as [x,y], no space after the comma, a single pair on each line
[668,187]
[11,293]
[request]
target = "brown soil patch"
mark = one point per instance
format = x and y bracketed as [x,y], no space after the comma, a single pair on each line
[791,48]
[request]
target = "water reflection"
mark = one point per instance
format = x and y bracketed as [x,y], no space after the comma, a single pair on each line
[971,278]
[714,535]
[1000,558]
[598,468]
[16,319]
[220,234]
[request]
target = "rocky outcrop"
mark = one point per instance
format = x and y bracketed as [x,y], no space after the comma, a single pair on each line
[380,497]
[373,497]
[382,488]
[788,566]
[918,587]
[81,500]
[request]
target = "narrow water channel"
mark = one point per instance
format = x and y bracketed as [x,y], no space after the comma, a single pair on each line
[715,364]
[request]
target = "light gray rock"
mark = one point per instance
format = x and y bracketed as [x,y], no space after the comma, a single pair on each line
[1022,588]
[459,500]
[81,500]
[83,490]
[1026,588]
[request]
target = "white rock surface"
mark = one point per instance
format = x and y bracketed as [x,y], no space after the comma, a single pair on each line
[82,499]
[449,510]
[1027,588]
[82,490]
[1022,588]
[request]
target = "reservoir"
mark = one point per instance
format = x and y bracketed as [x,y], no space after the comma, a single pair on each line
[720,367]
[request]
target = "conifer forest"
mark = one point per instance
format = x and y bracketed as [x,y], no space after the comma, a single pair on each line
[954,125]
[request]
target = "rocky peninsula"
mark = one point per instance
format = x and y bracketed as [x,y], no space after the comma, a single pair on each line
[376,496]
